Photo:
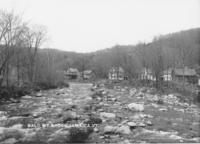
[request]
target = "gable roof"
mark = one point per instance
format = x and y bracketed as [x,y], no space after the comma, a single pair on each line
[72,70]
[147,71]
[116,69]
[185,72]
[168,71]
[87,72]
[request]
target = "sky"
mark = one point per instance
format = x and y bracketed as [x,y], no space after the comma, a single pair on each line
[90,25]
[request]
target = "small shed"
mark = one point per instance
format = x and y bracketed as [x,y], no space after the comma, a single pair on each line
[185,74]
[88,74]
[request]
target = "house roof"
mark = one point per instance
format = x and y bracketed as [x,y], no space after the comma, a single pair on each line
[168,71]
[87,72]
[185,72]
[116,69]
[72,70]
[147,70]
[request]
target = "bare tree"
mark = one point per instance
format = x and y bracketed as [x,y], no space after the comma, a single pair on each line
[11,28]
[34,39]
[157,61]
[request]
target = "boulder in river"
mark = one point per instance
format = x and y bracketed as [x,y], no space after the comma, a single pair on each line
[132,124]
[38,95]
[60,136]
[109,129]
[107,115]
[69,115]
[9,141]
[123,130]
[136,107]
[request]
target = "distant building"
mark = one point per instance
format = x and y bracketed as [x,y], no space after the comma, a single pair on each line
[116,73]
[72,73]
[185,74]
[88,74]
[167,75]
[147,74]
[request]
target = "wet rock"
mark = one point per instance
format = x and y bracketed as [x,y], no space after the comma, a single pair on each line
[68,116]
[39,111]
[15,131]
[114,137]
[27,97]
[160,102]
[99,99]
[70,107]
[104,92]
[38,95]
[113,99]
[30,136]
[136,107]
[2,113]
[101,103]
[100,85]
[9,141]
[14,100]
[17,126]
[163,109]
[107,115]
[141,124]
[138,116]
[94,96]
[132,124]
[170,99]
[179,110]
[100,110]
[123,130]
[87,108]
[109,129]
[101,137]
[123,122]
[25,114]
[132,92]
[60,136]
[93,88]
[96,129]
[125,142]
[154,105]
[149,123]
[3,118]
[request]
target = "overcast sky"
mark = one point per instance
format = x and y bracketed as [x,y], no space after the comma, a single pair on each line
[90,25]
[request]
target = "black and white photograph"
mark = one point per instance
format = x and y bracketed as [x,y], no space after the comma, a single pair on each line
[99,71]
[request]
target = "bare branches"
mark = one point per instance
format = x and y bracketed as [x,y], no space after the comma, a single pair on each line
[15,33]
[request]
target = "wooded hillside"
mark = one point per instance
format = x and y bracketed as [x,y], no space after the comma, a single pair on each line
[172,50]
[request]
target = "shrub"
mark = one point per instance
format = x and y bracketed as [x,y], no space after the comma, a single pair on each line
[79,135]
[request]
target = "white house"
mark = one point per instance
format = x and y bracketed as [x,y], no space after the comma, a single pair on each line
[167,75]
[116,73]
[147,74]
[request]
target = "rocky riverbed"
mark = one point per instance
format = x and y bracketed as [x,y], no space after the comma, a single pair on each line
[95,113]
